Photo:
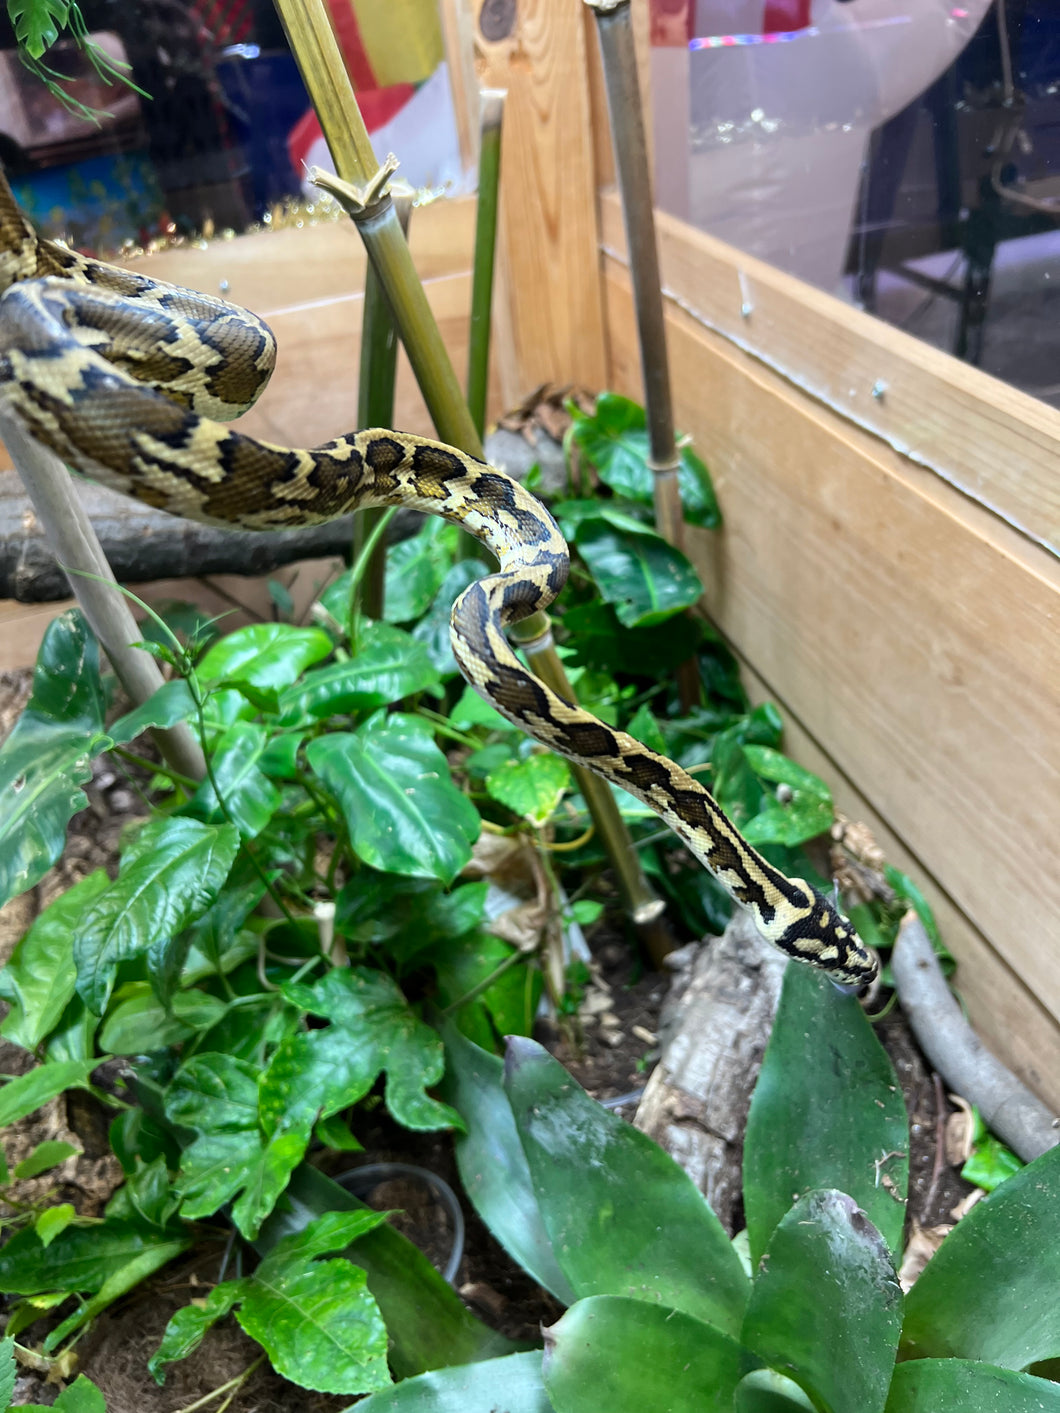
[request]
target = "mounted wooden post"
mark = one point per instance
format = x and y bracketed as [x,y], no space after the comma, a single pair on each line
[550,259]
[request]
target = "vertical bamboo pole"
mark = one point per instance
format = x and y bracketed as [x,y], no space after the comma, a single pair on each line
[478,352]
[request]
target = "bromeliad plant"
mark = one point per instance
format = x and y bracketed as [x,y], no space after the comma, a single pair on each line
[801,1311]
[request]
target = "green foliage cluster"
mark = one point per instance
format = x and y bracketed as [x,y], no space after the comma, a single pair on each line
[38,25]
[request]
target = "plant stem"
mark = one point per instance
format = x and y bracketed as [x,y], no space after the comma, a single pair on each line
[363,564]
[78,550]
[231,1387]
[478,352]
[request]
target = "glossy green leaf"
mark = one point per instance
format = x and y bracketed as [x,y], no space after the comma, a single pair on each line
[774,765]
[799,820]
[600,641]
[82,1396]
[52,1221]
[408,913]
[473,710]
[622,1216]
[493,1166]
[645,579]
[188,1326]
[433,628]
[614,439]
[80,1258]
[269,656]
[389,665]
[416,569]
[29,1091]
[511,1385]
[766,1391]
[158,1253]
[610,1352]
[248,798]
[44,1156]
[46,758]
[317,1320]
[990,1291]
[137,1021]
[172,702]
[991,1164]
[373,1028]
[964,1386]
[402,810]
[40,975]
[532,787]
[428,1323]
[168,877]
[504,986]
[827,1111]
[825,1307]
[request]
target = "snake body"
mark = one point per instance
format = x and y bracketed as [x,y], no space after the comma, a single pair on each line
[125,378]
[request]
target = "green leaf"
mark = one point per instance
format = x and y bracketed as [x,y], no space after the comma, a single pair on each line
[473,710]
[40,977]
[48,1154]
[37,23]
[28,1092]
[532,787]
[416,569]
[81,1396]
[644,728]
[766,1391]
[46,757]
[410,915]
[825,1307]
[402,810]
[827,1111]
[990,1164]
[141,1265]
[948,1385]
[389,665]
[172,702]
[138,1022]
[249,797]
[52,1221]
[646,579]
[433,629]
[989,1292]
[623,1355]
[321,1072]
[492,1164]
[774,765]
[512,1384]
[8,1371]
[170,875]
[614,439]
[505,1005]
[601,1186]
[188,1326]
[268,656]
[334,1133]
[80,1258]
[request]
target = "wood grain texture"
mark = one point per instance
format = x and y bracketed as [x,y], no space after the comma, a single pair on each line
[548,227]
[992,442]
[912,632]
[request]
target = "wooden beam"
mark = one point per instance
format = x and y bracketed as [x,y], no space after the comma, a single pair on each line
[910,630]
[548,226]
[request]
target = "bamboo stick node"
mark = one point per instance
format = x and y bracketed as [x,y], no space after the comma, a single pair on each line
[357,201]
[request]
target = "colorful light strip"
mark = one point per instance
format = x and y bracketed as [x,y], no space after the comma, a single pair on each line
[731,41]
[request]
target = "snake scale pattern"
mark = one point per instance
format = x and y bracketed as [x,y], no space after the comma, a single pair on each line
[129,380]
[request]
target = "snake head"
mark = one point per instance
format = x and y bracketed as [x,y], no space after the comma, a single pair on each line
[823,937]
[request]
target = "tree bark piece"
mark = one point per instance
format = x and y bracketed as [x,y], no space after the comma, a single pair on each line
[714,1030]
[1009,1109]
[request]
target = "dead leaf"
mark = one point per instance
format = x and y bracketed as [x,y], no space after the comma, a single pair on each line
[922,1245]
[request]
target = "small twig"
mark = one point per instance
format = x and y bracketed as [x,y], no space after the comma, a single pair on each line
[940,1143]
[1009,1109]
[232,1387]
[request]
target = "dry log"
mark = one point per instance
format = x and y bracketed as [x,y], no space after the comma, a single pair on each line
[714,1030]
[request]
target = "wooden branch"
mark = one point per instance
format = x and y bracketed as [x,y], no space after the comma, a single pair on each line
[1008,1107]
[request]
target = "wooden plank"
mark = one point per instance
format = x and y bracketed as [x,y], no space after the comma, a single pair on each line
[548,227]
[992,442]
[1005,1011]
[912,631]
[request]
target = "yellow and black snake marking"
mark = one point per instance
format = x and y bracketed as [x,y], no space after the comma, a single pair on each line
[124,377]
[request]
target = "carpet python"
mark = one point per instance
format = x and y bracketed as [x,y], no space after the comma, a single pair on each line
[128,380]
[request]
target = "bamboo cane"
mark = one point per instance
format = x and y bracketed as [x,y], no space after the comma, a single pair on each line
[489,166]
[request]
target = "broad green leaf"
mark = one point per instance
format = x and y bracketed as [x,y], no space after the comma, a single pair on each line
[827,1111]
[825,1307]
[416,569]
[532,787]
[279,759]
[37,23]
[52,1221]
[172,702]
[600,641]
[83,1259]
[409,914]
[170,875]
[320,1072]
[28,1092]
[268,656]
[81,1396]
[402,810]
[991,1164]
[137,1269]
[473,710]
[965,1386]
[433,628]
[334,1133]
[512,1384]
[138,1022]
[247,796]
[774,765]
[40,977]
[601,1187]
[428,1323]
[801,819]
[614,439]
[389,665]
[646,579]
[766,1391]
[643,727]
[503,1005]
[189,1325]
[48,1154]
[493,1166]
[611,1352]
[990,1291]
[45,760]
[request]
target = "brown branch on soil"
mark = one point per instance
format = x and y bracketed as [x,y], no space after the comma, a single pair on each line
[1009,1108]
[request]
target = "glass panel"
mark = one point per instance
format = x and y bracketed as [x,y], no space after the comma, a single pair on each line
[903,154]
